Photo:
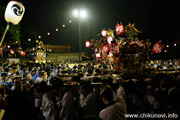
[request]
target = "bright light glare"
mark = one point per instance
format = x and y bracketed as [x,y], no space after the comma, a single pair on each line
[75,12]
[83,13]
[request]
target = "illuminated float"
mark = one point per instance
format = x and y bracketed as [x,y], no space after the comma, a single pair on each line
[40,53]
[127,54]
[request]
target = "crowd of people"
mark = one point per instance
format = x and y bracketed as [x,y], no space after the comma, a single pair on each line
[92,91]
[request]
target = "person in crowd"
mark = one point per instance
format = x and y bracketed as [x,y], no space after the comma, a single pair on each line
[4,77]
[47,107]
[3,103]
[28,78]
[42,77]
[51,77]
[18,102]
[64,100]
[87,99]
[36,74]
[113,110]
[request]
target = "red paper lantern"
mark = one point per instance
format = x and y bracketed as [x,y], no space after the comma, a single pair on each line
[157,48]
[119,29]
[106,48]
[103,32]
[88,44]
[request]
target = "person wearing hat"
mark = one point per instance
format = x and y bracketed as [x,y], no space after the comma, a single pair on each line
[113,110]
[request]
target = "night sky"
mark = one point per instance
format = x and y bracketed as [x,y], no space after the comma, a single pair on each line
[157,20]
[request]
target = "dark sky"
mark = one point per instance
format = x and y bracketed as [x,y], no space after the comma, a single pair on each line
[157,21]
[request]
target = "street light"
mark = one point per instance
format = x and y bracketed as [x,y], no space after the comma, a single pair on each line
[80,14]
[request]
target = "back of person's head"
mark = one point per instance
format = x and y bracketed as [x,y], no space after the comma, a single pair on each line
[98,71]
[86,84]
[41,87]
[4,74]
[90,70]
[174,100]
[57,82]
[76,78]
[97,79]
[107,80]
[107,93]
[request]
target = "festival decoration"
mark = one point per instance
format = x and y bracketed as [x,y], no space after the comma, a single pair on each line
[106,48]
[157,48]
[88,44]
[127,54]
[104,32]
[14,12]
[109,39]
[131,31]
[119,29]
[114,48]
[110,32]
[98,55]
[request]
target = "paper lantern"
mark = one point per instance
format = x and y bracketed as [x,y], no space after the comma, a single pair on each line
[14,12]
[103,32]
[109,39]
[119,29]
[88,44]
[106,48]
[98,55]
[157,48]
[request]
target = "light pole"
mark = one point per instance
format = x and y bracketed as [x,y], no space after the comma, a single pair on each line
[80,15]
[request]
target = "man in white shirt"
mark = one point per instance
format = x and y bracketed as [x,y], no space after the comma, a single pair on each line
[114,110]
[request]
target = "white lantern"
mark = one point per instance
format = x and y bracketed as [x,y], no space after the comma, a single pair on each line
[98,55]
[109,39]
[103,32]
[88,44]
[14,12]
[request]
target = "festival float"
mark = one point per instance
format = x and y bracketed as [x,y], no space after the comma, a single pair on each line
[127,54]
[39,53]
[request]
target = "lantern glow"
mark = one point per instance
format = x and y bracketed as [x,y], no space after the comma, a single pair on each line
[119,29]
[103,32]
[12,52]
[88,44]
[157,47]
[109,39]
[98,55]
